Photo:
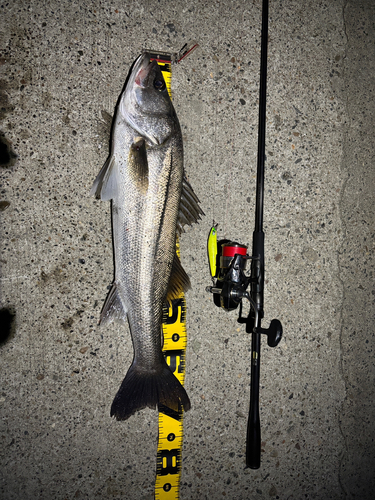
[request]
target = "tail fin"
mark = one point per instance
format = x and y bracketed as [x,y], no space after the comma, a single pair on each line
[142,388]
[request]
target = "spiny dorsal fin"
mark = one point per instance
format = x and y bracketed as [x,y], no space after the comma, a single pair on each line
[179,281]
[113,308]
[190,211]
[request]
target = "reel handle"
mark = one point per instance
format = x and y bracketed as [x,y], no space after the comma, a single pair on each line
[274,332]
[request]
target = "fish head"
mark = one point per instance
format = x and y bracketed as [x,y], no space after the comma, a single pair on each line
[145,103]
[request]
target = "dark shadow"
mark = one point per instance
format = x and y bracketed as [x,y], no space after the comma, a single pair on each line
[7,156]
[7,324]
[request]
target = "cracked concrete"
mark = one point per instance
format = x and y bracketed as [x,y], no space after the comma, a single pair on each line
[62,66]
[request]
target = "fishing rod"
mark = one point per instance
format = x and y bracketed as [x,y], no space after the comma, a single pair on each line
[228,261]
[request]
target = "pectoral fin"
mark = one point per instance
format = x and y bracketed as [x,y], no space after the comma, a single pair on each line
[106,183]
[138,165]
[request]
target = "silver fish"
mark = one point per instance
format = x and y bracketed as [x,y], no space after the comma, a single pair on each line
[151,202]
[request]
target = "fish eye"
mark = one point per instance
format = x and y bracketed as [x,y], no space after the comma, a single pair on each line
[159,84]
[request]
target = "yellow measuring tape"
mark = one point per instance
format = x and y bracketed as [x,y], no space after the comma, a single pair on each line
[164,60]
[168,461]
[168,468]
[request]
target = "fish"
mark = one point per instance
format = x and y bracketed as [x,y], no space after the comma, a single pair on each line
[151,202]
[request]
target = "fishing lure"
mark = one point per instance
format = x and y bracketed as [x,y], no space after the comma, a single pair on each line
[212,250]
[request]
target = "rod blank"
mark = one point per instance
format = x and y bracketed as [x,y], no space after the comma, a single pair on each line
[253,440]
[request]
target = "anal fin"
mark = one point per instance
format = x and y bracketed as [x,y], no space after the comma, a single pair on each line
[179,281]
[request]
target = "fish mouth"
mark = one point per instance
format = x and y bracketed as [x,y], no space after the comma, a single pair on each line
[144,70]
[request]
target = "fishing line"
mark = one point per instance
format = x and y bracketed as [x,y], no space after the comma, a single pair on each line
[215,102]
[234,72]
[227,188]
[213,204]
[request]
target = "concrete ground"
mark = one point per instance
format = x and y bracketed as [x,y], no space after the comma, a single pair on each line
[63,63]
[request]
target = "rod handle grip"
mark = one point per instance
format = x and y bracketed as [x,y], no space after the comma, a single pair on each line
[253,444]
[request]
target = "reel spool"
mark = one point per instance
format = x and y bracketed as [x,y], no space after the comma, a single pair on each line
[231,281]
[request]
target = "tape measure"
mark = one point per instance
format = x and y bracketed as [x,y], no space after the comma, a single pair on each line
[168,465]
[164,60]
[169,452]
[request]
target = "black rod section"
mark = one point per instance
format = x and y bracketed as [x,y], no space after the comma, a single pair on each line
[253,441]
[262,120]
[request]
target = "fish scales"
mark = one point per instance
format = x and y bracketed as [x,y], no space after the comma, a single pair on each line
[144,226]
[151,202]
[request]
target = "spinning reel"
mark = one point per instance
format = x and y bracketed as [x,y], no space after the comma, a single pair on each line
[228,260]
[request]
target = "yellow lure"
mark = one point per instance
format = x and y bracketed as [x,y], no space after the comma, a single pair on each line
[212,249]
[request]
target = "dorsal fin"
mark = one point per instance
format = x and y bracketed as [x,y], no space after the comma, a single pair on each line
[190,211]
